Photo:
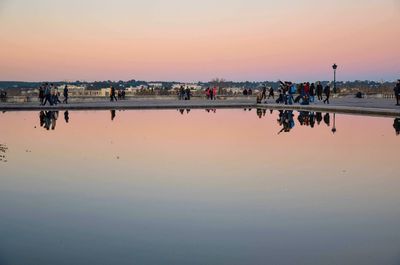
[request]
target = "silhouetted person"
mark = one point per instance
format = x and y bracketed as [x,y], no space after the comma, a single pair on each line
[312,92]
[212,94]
[41,95]
[319,91]
[66,116]
[327,119]
[112,114]
[112,95]
[181,93]
[56,96]
[208,92]
[271,93]
[188,94]
[327,92]
[65,92]
[263,93]
[396,126]
[397,92]
[47,95]
[359,95]
[245,93]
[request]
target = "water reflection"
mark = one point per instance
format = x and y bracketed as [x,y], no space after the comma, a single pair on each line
[3,150]
[286,118]
[66,116]
[79,196]
[182,111]
[396,125]
[112,114]
[211,110]
[48,119]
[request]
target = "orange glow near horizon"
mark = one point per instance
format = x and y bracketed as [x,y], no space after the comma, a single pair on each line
[237,40]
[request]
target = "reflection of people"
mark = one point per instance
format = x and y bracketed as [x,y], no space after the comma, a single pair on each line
[48,119]
[259,113]
[286,120]
[318,116]
[396,126]
[211,110]
[327,119]
[66,116]
[112,114]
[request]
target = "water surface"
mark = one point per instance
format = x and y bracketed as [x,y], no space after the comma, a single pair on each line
[198,187]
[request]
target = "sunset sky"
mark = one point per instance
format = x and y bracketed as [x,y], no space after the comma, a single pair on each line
[197,40]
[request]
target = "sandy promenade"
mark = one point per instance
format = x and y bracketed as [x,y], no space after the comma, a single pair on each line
[369,106]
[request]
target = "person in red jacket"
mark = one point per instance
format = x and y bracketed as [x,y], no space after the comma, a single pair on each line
[215,92]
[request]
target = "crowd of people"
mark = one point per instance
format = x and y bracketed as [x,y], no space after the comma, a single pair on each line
[211,93]
[114,94]
[286,118]
[184,93]
[48,119]
[305,93]
[48,93]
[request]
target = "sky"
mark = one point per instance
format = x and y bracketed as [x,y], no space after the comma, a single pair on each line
[198,40]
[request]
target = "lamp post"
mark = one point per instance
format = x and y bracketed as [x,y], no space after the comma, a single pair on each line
[334,123]
[334,66]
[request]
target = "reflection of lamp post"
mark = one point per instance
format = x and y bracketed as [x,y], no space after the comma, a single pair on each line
[334,123]
[334,66]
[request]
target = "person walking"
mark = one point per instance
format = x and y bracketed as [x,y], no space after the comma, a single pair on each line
[215,92]
[397,92]
[181,93]
[271,93]
[47,95]
[65,92]
[41,95]
[319,91]
[188,93]
[208,92]
[112,94]
[211,93]
[56,96]
[264,94]
[327,92]
[312,92]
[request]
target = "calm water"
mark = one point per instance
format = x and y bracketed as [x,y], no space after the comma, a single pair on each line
[161,187]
